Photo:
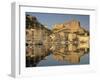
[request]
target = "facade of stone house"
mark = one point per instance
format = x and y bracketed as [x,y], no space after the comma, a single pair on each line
[67,41]
[36,34]
[68,32]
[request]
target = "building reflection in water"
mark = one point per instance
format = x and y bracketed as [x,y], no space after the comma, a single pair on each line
[69,53]
[64,44]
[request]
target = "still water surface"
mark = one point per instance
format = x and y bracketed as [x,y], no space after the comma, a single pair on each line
[58,54]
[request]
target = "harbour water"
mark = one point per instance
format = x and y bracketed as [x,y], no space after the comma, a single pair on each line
[57,55]
[64,43]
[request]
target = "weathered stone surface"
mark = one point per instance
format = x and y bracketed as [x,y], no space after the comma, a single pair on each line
[67,41]
[69,31]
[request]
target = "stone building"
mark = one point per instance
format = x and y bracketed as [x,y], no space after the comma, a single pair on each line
[70,41]
[36,31]
[68,32]
[67,41]
[36,34]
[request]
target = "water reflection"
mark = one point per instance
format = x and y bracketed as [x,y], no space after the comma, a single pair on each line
[56,54]
[64,44]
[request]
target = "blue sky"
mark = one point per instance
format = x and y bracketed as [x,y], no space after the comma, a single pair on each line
[49,19]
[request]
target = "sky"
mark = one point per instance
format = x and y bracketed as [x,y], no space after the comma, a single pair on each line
[50,19]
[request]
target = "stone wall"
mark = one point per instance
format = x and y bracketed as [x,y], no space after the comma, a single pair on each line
[68,32]
[36,34]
